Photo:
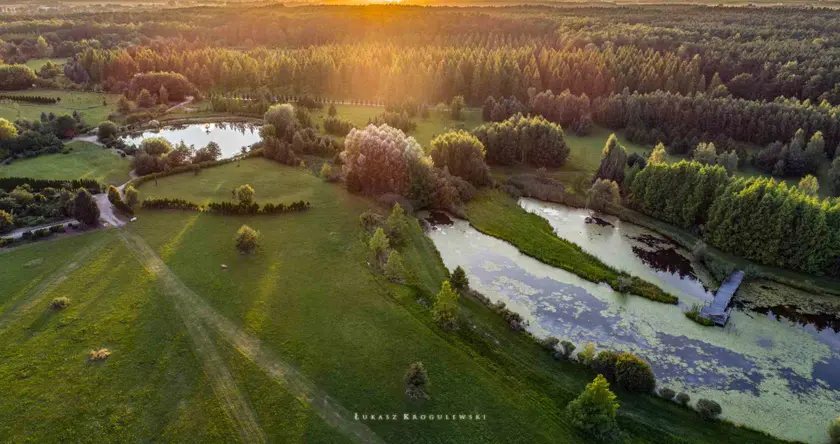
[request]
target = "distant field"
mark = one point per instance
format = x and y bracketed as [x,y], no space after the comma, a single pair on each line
[86,160]
[36,64]
[427,129]
[89,104]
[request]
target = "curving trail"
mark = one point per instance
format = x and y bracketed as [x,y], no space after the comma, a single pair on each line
[197,313]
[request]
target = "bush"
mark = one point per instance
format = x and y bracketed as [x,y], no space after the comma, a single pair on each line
[463,154]
[667,393]
[6,221]
[549,343]
[131,196]
[834,431]
[116,200]
[594,410]
[245,194]
[708,409]
[524,140]
[155,146]
[459,279]
[683,398]
[370,220]
[60,303]
[416,379]
[634,374]
[246,239]
[587,355]
[99,355]
[107,131]
[605,364]
[170,204]
[565,350]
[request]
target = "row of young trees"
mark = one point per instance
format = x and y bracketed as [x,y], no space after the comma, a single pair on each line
[759,219]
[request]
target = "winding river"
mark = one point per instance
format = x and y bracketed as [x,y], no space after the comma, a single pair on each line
[774,367]
[231,137]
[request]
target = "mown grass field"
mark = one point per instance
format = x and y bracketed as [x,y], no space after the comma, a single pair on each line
[89,104]
[308,296]
[36,64]
[86,160]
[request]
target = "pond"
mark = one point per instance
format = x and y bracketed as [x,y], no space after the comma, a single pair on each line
[231,137]
[771,369]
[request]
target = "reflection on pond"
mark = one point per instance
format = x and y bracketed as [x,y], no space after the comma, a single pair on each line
[231,137]
[771,375]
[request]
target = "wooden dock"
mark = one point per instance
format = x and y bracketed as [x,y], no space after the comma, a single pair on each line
[718,310]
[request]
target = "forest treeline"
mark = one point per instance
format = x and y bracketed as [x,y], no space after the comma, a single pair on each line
[753,53]
[758,218]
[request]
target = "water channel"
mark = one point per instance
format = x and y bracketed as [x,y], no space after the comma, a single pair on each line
[774,367]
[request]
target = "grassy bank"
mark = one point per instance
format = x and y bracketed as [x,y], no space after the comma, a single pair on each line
[495,213]
[85,161]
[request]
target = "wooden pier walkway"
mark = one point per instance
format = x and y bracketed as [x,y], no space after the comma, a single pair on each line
[718,310]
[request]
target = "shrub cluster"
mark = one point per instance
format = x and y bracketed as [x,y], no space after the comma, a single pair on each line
[241,208]
[10,183]
[116,200]
[401,121]
[337,126]
[30,99]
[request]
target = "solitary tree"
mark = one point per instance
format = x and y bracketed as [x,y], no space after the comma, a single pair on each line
[394,268]
[594,410]
[280,116]
[247,239]
[445,309]
[85,209]
[332,111]
[459,279]
[245,193]
[396,225]
[416,379]
[658,154]
[613,161]
[145,99]
[163,95]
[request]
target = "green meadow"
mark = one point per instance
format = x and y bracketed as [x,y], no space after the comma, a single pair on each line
[84,160]
[284,345]
[94,107]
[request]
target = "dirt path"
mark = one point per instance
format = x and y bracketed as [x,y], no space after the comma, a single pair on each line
[233,401]
[196,308]
[188,100]
[35,294]
[19,232]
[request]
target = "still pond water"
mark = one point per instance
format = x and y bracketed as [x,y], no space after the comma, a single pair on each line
[775,367]
[231,137]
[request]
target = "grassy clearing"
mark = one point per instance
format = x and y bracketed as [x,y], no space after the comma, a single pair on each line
[89,104]
[36,64]
[311,297]
[86,160]
[494,213]
[427,129]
